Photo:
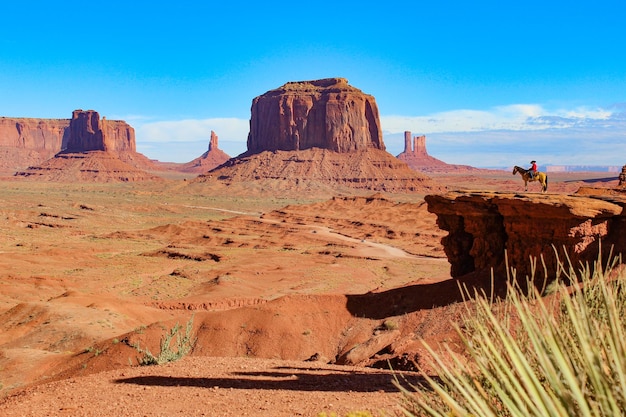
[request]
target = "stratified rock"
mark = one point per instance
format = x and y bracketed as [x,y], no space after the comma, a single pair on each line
[90,133]
[327,114]
[318,132]
[371,169]
[92,166]
[28,141]
[487,228]
[97,151]
[212,158]
[416,157]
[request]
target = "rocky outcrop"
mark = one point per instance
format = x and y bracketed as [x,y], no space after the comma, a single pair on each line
[92,166]
[28,141]
[90,133]
[318,133]
[27,133]
[328,114]
[490,230]
[305,170]
[416,157]
[96,151]
[212,158]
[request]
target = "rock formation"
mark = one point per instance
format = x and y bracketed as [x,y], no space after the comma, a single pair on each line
[28,141]
[301,170]
[90,133]
[318,132]
[416,157]
[486,228]
[97,150]
[212,158]
[327,114]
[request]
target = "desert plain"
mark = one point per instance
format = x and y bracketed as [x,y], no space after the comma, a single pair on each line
[292,294]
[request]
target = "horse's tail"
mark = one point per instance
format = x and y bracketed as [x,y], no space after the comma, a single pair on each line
[545,188]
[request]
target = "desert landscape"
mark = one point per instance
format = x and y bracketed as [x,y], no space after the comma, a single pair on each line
[305,272]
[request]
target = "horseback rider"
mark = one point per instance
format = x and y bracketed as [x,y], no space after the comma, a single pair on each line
[533,169]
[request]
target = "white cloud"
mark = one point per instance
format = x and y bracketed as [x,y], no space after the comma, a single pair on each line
[507,135]
[511,117]
[191,130]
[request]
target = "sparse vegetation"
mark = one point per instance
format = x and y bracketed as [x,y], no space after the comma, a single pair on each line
[564,355]
[93,350]
[168,353]
[390,325]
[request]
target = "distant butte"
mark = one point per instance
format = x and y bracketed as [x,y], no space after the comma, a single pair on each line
[321,131]
[416,157]
[28,141]
[97,150]
[212,158]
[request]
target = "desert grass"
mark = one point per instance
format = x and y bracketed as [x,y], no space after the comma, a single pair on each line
[169,351]
[529,355]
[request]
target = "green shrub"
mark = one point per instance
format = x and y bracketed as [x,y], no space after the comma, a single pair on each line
[531,356]
[168,353]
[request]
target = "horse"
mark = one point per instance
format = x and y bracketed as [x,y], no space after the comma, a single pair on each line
[539,176]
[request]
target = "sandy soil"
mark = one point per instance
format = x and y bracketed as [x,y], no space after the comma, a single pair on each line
[297,300]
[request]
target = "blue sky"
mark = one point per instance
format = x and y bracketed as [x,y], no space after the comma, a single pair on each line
[489,83]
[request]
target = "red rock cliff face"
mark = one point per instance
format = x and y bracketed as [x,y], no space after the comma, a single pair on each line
[36,134]
[90,133]
[327,114]
[27,141]
[484,226]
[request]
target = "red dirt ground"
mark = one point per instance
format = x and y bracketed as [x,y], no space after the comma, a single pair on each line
[297,300]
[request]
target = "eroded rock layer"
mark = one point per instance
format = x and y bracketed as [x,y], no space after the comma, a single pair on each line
[486,230]
[416,157]
[212,158]
[371,169]
[328,114]
[88,132]
[29,141]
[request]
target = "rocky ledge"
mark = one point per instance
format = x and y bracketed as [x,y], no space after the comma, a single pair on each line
[492,230]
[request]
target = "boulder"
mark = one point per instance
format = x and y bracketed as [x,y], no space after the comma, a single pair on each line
[328,114]
[492,230]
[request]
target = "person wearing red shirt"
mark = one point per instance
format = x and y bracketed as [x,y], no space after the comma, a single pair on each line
[533,169]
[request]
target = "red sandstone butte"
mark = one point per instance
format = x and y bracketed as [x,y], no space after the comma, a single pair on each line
[97,151]
[90,133]
[416,157]
[327,114]
[29,141]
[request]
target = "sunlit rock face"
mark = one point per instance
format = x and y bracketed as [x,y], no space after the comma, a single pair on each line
[90,133]
[327,114]
[488,230]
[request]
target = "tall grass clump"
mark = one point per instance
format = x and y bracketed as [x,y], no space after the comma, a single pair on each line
[528,355]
